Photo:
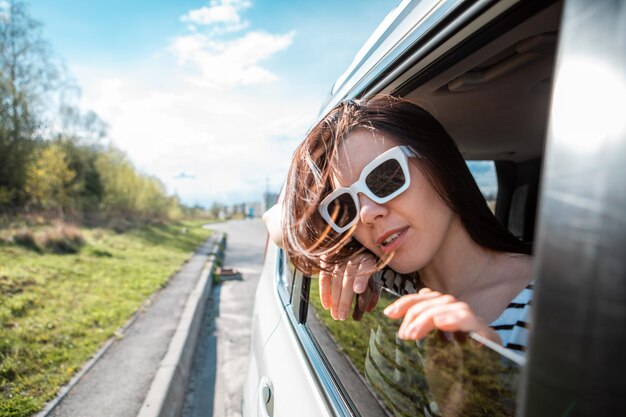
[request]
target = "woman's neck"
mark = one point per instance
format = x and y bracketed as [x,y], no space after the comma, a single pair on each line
[459,265]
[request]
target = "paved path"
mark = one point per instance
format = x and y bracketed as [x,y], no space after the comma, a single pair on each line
[225,335]
[118,383]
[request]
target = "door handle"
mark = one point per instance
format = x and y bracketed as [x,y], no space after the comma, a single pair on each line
[266,398]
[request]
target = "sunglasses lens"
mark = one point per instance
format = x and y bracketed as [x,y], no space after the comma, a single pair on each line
[342,210]
[385,179]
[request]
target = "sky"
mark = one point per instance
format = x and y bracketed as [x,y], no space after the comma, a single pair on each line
[210,96]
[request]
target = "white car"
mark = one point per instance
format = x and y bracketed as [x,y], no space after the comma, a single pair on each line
[534,93]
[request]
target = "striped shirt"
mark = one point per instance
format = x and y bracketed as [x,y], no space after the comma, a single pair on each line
[397,283]
[512,325]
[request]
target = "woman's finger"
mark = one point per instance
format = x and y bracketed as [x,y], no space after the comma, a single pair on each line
[398,308]
[418,309]
[335,290]
[325,284]
[366,266]
[457,317]
[347,292]
[463,319]
[460,317]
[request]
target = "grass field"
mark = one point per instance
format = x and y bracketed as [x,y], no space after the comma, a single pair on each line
[352,337]
[57,310]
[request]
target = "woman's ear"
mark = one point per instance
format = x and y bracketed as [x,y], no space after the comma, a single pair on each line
[273,221]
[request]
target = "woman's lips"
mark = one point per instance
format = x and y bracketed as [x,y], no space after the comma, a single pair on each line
[397,235]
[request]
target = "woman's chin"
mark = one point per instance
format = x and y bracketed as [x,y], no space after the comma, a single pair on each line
[402,267]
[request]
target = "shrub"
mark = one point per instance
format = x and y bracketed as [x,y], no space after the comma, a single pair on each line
[28,239]
[101,253]
[60,239]
[63,238]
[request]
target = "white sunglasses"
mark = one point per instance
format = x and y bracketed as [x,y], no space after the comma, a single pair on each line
[381,180]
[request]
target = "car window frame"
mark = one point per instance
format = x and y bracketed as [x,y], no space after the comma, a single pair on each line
[295,303]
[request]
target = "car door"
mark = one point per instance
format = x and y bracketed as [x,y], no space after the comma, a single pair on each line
[279,381]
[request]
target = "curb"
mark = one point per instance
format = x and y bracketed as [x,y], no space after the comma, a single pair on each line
[51,405]
[169,386]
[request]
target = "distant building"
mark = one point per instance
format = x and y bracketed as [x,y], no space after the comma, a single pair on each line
[245,210]
[269,199]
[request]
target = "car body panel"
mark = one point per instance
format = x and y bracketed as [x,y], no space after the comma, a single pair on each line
[265,318]
[402,27]
[277,364]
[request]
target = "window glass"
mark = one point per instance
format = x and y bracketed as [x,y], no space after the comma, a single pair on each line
[443,375]
[285,275]
[484,173]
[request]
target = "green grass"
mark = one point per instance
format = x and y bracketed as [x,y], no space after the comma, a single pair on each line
[351,336]
[57,310]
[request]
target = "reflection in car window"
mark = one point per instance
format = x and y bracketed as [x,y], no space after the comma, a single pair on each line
[442,375]
[484,173]
[285,274]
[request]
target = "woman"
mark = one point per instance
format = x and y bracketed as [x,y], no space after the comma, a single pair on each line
[379,183]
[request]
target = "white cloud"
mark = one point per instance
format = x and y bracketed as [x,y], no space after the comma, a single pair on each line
[230,140]
[223,16]
[224,63]
[230,63]
[180,117]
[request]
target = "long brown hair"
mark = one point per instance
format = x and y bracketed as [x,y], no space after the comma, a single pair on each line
[307,236]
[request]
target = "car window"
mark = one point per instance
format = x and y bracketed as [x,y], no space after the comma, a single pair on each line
[285,275]
[443,375]
[484,173]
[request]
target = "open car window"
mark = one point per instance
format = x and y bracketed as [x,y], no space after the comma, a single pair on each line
[381,375]
[484,173]
[499,124]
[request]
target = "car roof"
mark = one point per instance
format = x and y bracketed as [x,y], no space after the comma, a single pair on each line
[502,116]
[402,25]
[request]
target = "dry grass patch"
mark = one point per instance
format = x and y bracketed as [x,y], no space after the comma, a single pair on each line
[61,238]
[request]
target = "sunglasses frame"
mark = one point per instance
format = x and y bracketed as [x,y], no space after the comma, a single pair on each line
[400,154]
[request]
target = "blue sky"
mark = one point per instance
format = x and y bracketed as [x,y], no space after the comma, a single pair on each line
[220,91]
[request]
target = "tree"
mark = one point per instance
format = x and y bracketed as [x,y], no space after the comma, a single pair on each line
[85,128]
[27,74]
[82,160]
[216,209]
[118,179]
[81,135]
[49,180]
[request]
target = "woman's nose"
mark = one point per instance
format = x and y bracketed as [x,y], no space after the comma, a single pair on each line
[370,211]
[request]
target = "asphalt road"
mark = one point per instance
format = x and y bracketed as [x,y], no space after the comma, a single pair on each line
[219,368]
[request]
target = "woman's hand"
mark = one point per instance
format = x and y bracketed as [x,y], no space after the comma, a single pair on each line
[428,310]
[337,288]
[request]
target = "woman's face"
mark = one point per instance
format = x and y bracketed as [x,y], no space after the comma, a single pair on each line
[418,218]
